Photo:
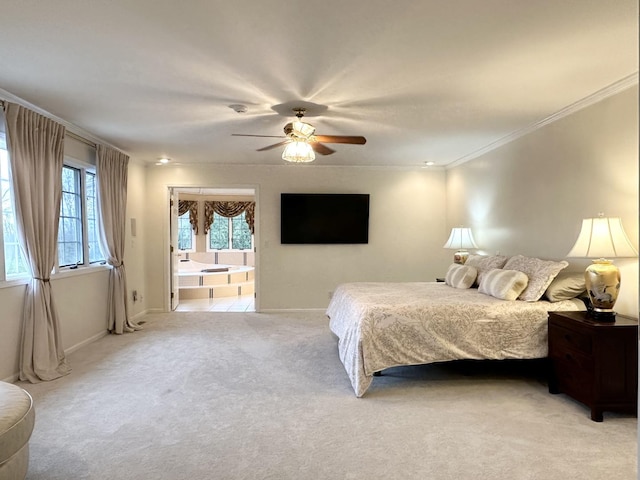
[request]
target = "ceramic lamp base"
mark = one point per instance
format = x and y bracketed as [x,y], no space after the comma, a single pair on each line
[460,257]
[602,279]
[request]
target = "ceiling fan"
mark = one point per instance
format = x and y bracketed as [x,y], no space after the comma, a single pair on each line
[301,141]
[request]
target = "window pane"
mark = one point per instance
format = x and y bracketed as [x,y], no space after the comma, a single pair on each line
[15,263]
[70,226]
[219,233]
[95,254]
[241,235]
[185,232]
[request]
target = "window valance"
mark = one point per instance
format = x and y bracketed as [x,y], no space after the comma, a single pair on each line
[229,210]
[190,206]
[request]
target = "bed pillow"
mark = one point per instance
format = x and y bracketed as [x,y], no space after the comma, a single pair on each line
[484,263]
[503,284]
[540,272]
[460,276]
[566,286]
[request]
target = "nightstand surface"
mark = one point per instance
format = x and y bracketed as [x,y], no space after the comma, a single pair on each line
[594,362]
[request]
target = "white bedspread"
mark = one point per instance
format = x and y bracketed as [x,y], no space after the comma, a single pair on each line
[382,325]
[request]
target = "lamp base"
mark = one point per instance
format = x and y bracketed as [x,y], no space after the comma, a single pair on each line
[602,280]
[460,257]
[603,316]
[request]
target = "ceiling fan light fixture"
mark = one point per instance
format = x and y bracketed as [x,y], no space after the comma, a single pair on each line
[302,129]
[298,152]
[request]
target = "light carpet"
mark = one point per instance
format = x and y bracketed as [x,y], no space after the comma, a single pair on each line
[264,396]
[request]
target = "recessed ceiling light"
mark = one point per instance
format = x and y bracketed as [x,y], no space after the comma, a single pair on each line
[429,164]
[164,160]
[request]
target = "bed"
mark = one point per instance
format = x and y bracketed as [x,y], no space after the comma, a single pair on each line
[383,325]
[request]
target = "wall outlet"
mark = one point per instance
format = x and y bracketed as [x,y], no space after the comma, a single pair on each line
[134,295]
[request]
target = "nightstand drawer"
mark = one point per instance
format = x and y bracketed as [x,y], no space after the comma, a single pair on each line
[565,339]
[572,360]
[576,381]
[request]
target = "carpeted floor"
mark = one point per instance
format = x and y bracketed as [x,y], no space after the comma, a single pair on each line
[264,396]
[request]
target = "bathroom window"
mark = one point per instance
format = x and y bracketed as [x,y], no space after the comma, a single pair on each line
[229,234]
[185,233]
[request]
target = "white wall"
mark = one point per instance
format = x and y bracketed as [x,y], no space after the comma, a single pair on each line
[407,229]
[135,247]
[80,299]
[529,197]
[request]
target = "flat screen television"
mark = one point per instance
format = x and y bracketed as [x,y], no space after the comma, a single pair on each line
[324,218]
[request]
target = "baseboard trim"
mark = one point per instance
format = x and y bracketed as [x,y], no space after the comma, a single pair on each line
[288,310]
[85,342]
[12,379]
[140,315]
[155,310]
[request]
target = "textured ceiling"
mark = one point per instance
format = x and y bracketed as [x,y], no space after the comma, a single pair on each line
[428,80]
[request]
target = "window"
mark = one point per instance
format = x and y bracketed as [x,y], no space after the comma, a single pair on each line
[70,251]
[185,232]
[230,233]
[78,242]
[12,257]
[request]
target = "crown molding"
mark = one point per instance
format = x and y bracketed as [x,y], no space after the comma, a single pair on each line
[75,131]
[613,89]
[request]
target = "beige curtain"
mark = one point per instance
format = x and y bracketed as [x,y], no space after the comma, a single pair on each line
[229,210]
[190,206]
[35,144]
[111,169]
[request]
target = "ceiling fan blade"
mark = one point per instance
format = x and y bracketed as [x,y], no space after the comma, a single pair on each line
[275,145]
[321,149]
[341,139]
[263,136]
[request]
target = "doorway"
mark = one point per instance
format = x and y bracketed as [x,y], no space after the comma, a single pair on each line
[213,257]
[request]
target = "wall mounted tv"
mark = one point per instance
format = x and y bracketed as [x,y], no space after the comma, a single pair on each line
[324,218]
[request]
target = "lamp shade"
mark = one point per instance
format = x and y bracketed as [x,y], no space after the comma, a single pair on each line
[298,152]
[460,239]
[602,237]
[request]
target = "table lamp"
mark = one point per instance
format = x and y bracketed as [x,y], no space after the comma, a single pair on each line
[602,238]
[460,239]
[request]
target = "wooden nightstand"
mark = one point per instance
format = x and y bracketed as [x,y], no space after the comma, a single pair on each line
[594,362]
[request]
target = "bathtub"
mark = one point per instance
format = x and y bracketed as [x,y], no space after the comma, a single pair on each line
[209,280]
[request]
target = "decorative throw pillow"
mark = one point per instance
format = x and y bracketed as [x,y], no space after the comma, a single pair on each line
[460,276]
[503,284]
[566,286]
[540,272]
[484,263]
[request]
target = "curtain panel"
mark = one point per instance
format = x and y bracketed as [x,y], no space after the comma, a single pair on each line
[190,206]
[36,148]
[229,210]
[111,169]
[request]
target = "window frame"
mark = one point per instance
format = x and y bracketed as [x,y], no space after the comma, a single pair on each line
[193,236]
[9,281]
[84,168]
[78,243]
[230,220]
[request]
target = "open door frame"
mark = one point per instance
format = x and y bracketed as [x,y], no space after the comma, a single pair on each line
[174,254]
[170,278]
